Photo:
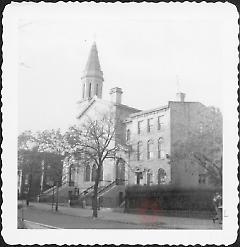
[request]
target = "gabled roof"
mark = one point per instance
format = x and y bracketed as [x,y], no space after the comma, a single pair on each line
[86,107]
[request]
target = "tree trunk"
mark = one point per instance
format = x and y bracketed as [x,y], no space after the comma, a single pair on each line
[95,193]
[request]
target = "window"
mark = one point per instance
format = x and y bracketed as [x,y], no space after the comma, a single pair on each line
[94,172]
[160,148]
[202,178]
[83,90]
[162,175]
[139,151]
[87,173]
[97,89]
[139,126]
[150,149]
[90,89]
[26,179]
[160,122]
[149,124]
[201,127]
[129,151]
[128,135]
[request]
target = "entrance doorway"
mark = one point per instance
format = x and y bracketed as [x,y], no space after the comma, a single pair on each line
[139,176]
[149,178]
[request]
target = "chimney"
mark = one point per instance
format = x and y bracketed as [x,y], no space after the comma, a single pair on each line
[180,96]
[116,95]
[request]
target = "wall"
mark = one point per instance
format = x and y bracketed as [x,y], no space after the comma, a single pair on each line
[185,117]
[96,110]
[155,163]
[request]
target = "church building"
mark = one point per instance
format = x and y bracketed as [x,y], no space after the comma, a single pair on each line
[151,134]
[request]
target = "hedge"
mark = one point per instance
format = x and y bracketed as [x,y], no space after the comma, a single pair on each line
[169,197]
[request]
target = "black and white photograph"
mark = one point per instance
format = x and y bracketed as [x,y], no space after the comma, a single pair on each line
[120,123]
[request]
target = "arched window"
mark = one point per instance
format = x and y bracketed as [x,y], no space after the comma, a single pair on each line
[160,148]
[150,149]
[162,175]
[128,135]
[94,172]
[87,173]
[139,151]
[90,89]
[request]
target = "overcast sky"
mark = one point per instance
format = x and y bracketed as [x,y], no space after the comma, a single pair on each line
[142,49]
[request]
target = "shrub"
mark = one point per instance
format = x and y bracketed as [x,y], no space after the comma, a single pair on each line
[169,197]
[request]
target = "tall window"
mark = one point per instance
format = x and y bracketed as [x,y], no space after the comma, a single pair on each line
[94,172]
[162,175]
[201,127]
[128,135]
[90,89]
[149,124]
[97,89]
[160,122]
[87,173]
[129,151]
[139,151]
[140,126]
[160,148]
[150,149]
[26,179]
[83,92]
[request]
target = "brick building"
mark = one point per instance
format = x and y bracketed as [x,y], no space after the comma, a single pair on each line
[153,136]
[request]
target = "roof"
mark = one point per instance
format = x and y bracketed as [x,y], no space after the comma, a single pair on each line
[146,112]
[128,107]
[93,64]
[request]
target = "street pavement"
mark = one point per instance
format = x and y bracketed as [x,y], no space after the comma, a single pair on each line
[42,219]
[68,217]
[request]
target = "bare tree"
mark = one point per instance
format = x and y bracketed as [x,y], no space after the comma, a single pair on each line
[94,141]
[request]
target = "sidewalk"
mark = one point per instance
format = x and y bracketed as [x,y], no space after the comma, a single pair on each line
[154,220]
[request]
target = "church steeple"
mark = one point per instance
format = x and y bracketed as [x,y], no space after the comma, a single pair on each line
[92,78]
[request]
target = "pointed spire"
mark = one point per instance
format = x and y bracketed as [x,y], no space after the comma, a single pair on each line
[92,78]
[93,65]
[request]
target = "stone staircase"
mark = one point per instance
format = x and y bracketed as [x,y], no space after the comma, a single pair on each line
[64,191]
[108,195]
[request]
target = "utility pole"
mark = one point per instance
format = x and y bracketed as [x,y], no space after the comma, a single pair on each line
[56,206]
[22,209]
[29,187]
[53,196]
[42,176]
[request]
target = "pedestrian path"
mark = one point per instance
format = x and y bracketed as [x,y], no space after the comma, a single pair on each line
[139,219]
